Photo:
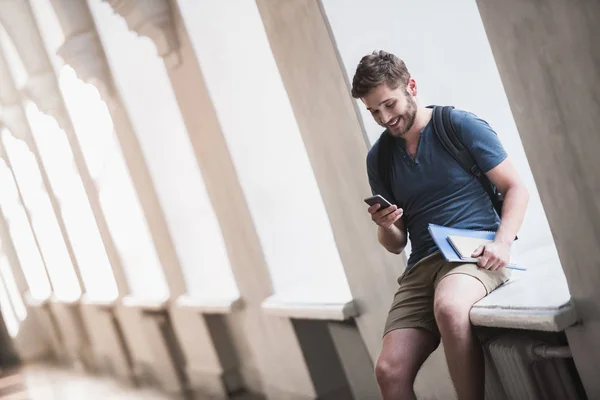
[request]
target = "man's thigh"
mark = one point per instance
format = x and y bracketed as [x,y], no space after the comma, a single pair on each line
[456,293]
[412,306]
[490,280]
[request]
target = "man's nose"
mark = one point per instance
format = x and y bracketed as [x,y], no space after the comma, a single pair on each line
[386,117]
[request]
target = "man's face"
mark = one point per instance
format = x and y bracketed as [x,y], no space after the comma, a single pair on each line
[393,109]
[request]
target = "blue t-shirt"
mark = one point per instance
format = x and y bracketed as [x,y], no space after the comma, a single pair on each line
[434,188]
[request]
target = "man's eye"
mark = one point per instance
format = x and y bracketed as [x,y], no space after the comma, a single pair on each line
[390,105]
[374,112]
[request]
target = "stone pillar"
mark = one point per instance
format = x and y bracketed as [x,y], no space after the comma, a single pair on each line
[43,89]
[265,343]
[131,148]
[308,62]
[84,51]
[549,60]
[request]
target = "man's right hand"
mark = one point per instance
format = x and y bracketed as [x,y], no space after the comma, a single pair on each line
[387,217]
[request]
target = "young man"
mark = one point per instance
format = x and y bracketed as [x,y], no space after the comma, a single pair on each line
[434,297]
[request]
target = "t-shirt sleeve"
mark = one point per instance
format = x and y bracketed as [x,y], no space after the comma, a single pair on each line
[377,186]
[480,138]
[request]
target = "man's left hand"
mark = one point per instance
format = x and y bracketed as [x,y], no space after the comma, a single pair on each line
[493,256]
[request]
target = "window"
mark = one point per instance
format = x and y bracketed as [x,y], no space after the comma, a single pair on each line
[45,225]
[118,199]
[22,236]
[57,158]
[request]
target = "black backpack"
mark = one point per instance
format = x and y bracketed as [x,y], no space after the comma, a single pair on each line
[446,133]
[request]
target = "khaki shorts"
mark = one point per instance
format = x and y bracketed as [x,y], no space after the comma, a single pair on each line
[413,302]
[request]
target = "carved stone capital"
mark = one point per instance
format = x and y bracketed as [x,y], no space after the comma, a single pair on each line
[13,117]
[82,49]
[84,53]
[43,90]
[155,20]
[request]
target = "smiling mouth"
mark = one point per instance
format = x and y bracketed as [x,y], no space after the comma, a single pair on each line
[394,123]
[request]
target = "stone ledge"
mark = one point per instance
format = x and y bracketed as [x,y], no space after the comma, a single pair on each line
[537,299]
[145,304]
[57,300]
[34,302]
[334,311]
[547,320]
[210,305]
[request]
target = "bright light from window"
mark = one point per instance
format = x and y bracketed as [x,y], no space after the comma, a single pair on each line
[45,225]
[118,199]
[22,236]
[57,158]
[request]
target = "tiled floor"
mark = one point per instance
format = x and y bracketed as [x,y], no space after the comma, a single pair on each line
[42,382]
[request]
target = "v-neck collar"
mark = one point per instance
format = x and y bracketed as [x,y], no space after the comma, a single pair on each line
[401,143]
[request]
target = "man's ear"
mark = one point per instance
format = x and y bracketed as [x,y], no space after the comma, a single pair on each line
[411,87]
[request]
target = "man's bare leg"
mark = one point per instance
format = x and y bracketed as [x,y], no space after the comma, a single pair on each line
[454,297]
[402,354]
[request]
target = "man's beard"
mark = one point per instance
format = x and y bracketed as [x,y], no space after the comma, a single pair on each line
[407,116]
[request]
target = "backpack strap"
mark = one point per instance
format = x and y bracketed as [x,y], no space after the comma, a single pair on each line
[385,158]
[446,133]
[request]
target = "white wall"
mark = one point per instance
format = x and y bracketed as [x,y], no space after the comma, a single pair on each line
[267,149]
[447,52]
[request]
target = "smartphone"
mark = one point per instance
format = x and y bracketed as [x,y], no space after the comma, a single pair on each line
[378,199]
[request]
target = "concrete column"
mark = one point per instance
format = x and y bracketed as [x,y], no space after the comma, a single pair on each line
[549,60]
[263,343]
[314,79]
[144,186]
[43,89]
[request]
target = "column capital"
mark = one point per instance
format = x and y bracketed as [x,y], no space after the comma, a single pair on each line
[43,90]
[155,20]
[13,117]
[84,53]
[82,49]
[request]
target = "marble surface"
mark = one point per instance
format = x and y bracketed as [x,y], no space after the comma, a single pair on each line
[145,304]
[325,310]
[210,305]
[536,299]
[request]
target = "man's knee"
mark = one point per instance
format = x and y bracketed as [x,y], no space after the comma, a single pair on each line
[394,371]
[453,300]
[451,315]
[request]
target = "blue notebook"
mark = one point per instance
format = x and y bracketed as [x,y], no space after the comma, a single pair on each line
[440,237]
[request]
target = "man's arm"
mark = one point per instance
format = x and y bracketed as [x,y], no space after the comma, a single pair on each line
[393,237]
[391,230]
[516,196]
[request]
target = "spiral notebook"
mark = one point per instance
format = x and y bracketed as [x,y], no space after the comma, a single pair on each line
[455,243]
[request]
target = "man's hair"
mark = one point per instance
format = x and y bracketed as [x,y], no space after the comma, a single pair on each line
[377,68]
